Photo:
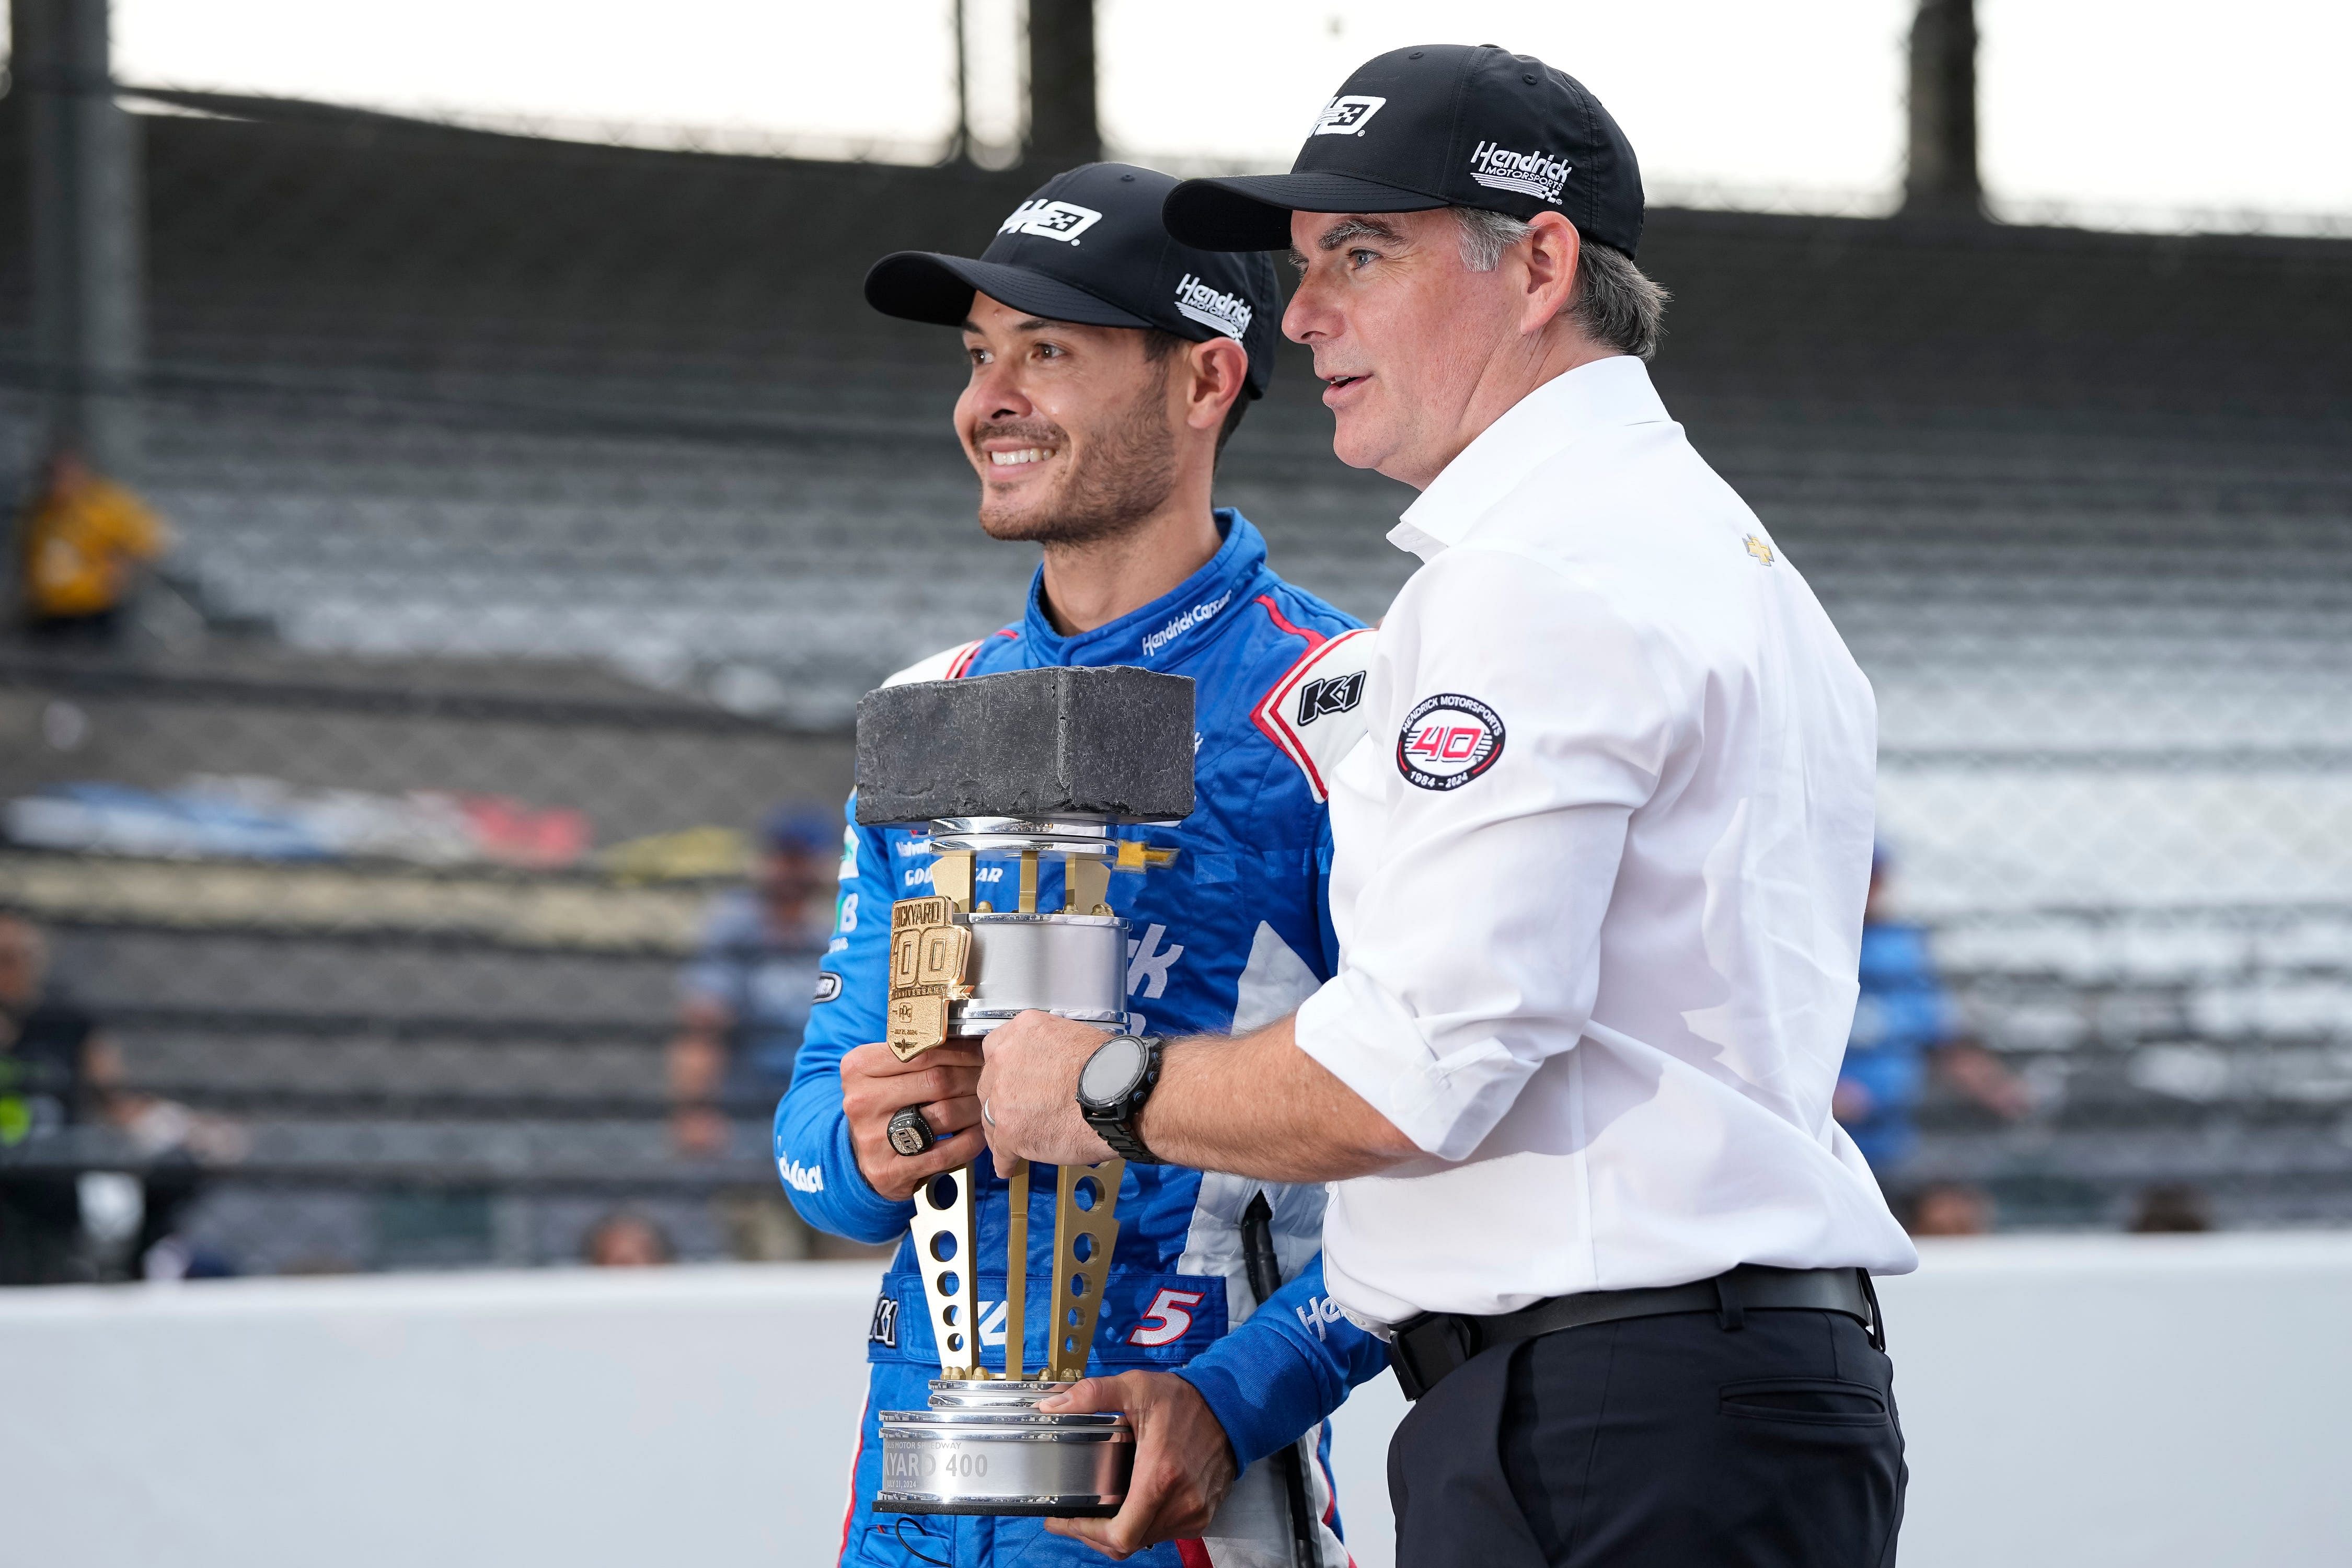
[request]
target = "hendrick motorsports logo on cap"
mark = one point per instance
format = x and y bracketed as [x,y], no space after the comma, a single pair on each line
[1227,313]
[1447,741]
[1346,115]
[1051,220]
[1539,175]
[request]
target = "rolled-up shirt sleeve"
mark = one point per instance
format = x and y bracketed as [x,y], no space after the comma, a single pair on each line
[1469,897]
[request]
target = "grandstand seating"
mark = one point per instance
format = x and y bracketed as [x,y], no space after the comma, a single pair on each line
[613,427]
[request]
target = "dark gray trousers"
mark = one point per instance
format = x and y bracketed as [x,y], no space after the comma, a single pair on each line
[1658,1442]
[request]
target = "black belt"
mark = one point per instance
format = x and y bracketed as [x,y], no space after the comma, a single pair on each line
[1424,1348]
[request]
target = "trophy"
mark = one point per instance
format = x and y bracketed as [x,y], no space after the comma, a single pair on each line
[1012,771]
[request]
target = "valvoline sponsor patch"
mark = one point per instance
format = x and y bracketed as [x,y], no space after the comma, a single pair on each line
[1447,741]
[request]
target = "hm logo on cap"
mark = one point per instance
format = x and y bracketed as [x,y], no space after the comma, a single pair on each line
[1051,220]
[1346,115]
[1218,311]
[1538,174]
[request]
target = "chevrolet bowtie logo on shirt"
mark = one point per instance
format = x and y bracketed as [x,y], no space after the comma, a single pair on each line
[1759,549]
[1051,220]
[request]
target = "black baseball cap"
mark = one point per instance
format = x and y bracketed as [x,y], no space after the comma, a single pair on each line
[1442,125]
[1089,246]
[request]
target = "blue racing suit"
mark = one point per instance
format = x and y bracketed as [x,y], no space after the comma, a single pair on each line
[1233,933]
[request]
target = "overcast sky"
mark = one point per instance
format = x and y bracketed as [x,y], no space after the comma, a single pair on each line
[2121,110]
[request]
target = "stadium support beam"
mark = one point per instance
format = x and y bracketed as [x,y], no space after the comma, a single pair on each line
[960,145]
[88,328]
[1063,130]
[1941,177]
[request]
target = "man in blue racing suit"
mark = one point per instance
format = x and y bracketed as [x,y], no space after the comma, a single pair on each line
[1104,376]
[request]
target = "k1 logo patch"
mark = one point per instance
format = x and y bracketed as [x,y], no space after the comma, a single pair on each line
[1447,741]
[1336,694]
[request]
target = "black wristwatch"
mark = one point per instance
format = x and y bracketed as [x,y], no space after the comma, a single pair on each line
[1112,1087]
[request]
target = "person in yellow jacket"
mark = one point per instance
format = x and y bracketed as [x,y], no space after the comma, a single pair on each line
[84,538]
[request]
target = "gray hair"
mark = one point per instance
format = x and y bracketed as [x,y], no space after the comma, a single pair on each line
[1613,302]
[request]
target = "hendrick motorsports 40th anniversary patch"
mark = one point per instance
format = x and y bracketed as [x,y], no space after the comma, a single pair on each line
[1447,741]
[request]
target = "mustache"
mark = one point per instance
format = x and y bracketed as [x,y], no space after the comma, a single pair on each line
[1040,432]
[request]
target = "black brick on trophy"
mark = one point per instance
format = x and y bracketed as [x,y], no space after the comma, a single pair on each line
[1113,742]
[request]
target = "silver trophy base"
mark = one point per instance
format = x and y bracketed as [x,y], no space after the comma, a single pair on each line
[981,1449]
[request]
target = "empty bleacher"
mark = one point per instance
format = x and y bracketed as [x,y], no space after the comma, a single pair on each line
[599,451]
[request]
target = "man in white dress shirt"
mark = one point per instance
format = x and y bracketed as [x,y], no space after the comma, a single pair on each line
[1600,869]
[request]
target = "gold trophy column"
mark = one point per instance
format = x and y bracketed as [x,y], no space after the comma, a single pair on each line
[1086,1228]
[928,955]
[1015,1172]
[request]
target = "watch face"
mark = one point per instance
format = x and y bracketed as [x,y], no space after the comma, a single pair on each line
[1111,1071]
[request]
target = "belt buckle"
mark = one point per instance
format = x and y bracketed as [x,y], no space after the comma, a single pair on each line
[1425,1348]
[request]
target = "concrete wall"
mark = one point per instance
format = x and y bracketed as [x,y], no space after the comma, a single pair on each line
[2075,1402]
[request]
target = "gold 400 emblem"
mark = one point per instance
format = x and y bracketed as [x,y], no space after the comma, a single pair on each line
[928,952]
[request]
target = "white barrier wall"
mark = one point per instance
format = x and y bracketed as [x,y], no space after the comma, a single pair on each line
[2071,1402]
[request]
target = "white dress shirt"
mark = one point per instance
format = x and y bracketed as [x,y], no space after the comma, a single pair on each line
[1600,861]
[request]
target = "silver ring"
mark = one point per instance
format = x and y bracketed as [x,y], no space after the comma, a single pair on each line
[986,1115]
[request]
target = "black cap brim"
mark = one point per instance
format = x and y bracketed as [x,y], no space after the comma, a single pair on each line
[919,286]
[1252,212]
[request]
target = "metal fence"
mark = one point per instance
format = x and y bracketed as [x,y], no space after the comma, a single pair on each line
[541,509]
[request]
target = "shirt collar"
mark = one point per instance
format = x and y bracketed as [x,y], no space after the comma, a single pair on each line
[1546,422]
[1171,628]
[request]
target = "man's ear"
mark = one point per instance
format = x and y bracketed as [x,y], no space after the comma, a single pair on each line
[1218,369]
[1553,250]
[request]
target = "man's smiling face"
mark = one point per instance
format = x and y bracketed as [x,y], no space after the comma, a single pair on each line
[1070,428]
[1402,330]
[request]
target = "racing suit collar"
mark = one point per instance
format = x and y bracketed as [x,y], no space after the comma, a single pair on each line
[1172,627]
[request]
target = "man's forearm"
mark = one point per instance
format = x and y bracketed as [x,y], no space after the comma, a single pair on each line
[1256,1105]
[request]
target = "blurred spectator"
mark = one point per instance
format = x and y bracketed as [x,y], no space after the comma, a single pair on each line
[83,540]
[745,998]
[627,1240]
[57,1072]
[2170,1208]
[1948,1208]
[744,1005]
[1904,1022]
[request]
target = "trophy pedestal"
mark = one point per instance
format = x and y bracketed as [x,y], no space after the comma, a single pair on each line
[982,1448]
